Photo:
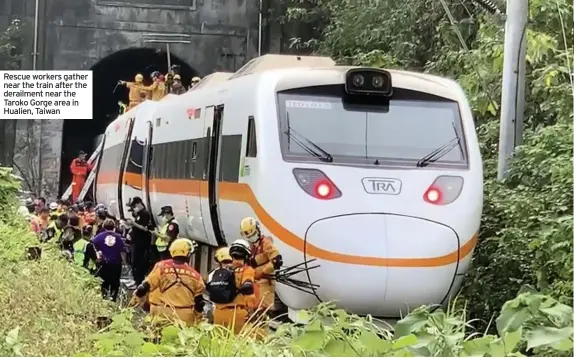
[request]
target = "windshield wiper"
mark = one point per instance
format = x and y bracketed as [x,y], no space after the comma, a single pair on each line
[293,134]
[441,151]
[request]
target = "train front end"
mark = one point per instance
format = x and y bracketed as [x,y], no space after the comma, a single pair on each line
[381,182]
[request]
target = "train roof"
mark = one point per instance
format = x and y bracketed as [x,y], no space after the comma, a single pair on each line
[274,62]
[212,79]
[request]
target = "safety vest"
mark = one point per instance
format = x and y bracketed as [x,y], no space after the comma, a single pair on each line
[80,253]
[161,243]
[58,232]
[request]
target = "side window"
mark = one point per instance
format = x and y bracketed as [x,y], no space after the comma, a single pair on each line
[251,148]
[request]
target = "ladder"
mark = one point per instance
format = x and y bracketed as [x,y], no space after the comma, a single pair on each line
[94,158]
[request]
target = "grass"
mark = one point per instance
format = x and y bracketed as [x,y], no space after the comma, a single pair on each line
[52,304]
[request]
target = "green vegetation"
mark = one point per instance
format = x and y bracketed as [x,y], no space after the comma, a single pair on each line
[11,46]
[47,307]
[526,233]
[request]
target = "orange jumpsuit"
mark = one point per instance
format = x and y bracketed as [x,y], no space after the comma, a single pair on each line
[236,313]
[174,298]
[157,90]
[264,251]
[80,170]
[134,94]
[89,218]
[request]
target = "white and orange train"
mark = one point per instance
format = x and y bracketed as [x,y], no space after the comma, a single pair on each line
[375,174]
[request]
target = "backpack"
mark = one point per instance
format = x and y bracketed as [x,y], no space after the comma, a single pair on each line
[221,287]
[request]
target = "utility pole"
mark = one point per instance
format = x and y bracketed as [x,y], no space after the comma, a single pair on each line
[166,39]
[513,82]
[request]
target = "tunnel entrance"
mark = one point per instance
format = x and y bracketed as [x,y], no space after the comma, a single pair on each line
[122,65]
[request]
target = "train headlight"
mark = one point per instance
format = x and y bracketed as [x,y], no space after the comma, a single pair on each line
[444,190]
[315,183]
[323,190]
[369,81]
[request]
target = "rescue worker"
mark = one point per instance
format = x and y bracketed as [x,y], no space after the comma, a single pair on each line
[176,289]
[111,253]
[157,88]
[135,91]
[55,229]
[84,252]
[89,214]
[177,87]
[70,235]
[40,203]
[80,169]
[44,217]
[265,259]
[101,216]
[167,233]
[195,80]
[173,70]
[123,107]
[54,209]
[233,292]
[140,239]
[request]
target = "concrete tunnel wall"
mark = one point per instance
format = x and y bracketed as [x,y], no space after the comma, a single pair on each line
[76,34]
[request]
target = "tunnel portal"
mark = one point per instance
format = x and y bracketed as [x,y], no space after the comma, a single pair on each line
[123,65]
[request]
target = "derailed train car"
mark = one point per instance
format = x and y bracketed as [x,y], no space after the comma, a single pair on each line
[375,174]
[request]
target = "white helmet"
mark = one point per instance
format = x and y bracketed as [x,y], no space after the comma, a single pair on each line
[53,206]
[240,246]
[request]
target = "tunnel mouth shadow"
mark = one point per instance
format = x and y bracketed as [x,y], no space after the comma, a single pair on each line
[123,65]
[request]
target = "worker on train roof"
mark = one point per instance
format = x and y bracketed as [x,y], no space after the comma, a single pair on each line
[177,87]
[195,80]
[157,88]
[135,95]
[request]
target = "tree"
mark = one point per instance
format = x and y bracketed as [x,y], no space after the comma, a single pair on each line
[526,234]
[11,46]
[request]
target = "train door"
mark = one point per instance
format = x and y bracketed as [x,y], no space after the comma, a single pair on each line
[133,175]
[209,188]
[146,164]
[123,163]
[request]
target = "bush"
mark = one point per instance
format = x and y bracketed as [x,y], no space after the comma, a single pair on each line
[526,231]
[47,307]
[530,321]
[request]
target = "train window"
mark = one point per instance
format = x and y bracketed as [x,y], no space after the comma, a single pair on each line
[194,150]
[411,126]
[251,148]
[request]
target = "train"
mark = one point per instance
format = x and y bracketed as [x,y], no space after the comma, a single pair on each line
[375,174]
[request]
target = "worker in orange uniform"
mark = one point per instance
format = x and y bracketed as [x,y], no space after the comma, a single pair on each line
[135,95]
[233,289]
[89,214]
[176,289]
[80,169]
[265,259]
[157,88]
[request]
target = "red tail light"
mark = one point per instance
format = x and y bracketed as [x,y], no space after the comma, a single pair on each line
[444,190]
[315,183]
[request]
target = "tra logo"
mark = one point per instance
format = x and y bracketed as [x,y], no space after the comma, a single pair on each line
[387,186]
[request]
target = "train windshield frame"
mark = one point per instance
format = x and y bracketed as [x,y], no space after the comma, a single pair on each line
[319,124]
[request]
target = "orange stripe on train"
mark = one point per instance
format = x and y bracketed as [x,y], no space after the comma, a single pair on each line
[241,192]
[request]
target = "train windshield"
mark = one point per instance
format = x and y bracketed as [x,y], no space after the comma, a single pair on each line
[412,129]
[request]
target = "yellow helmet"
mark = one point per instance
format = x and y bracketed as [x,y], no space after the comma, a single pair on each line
[195,79]
[177,77]
[139,77]
[182,247]
[222,254]
[249,229]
